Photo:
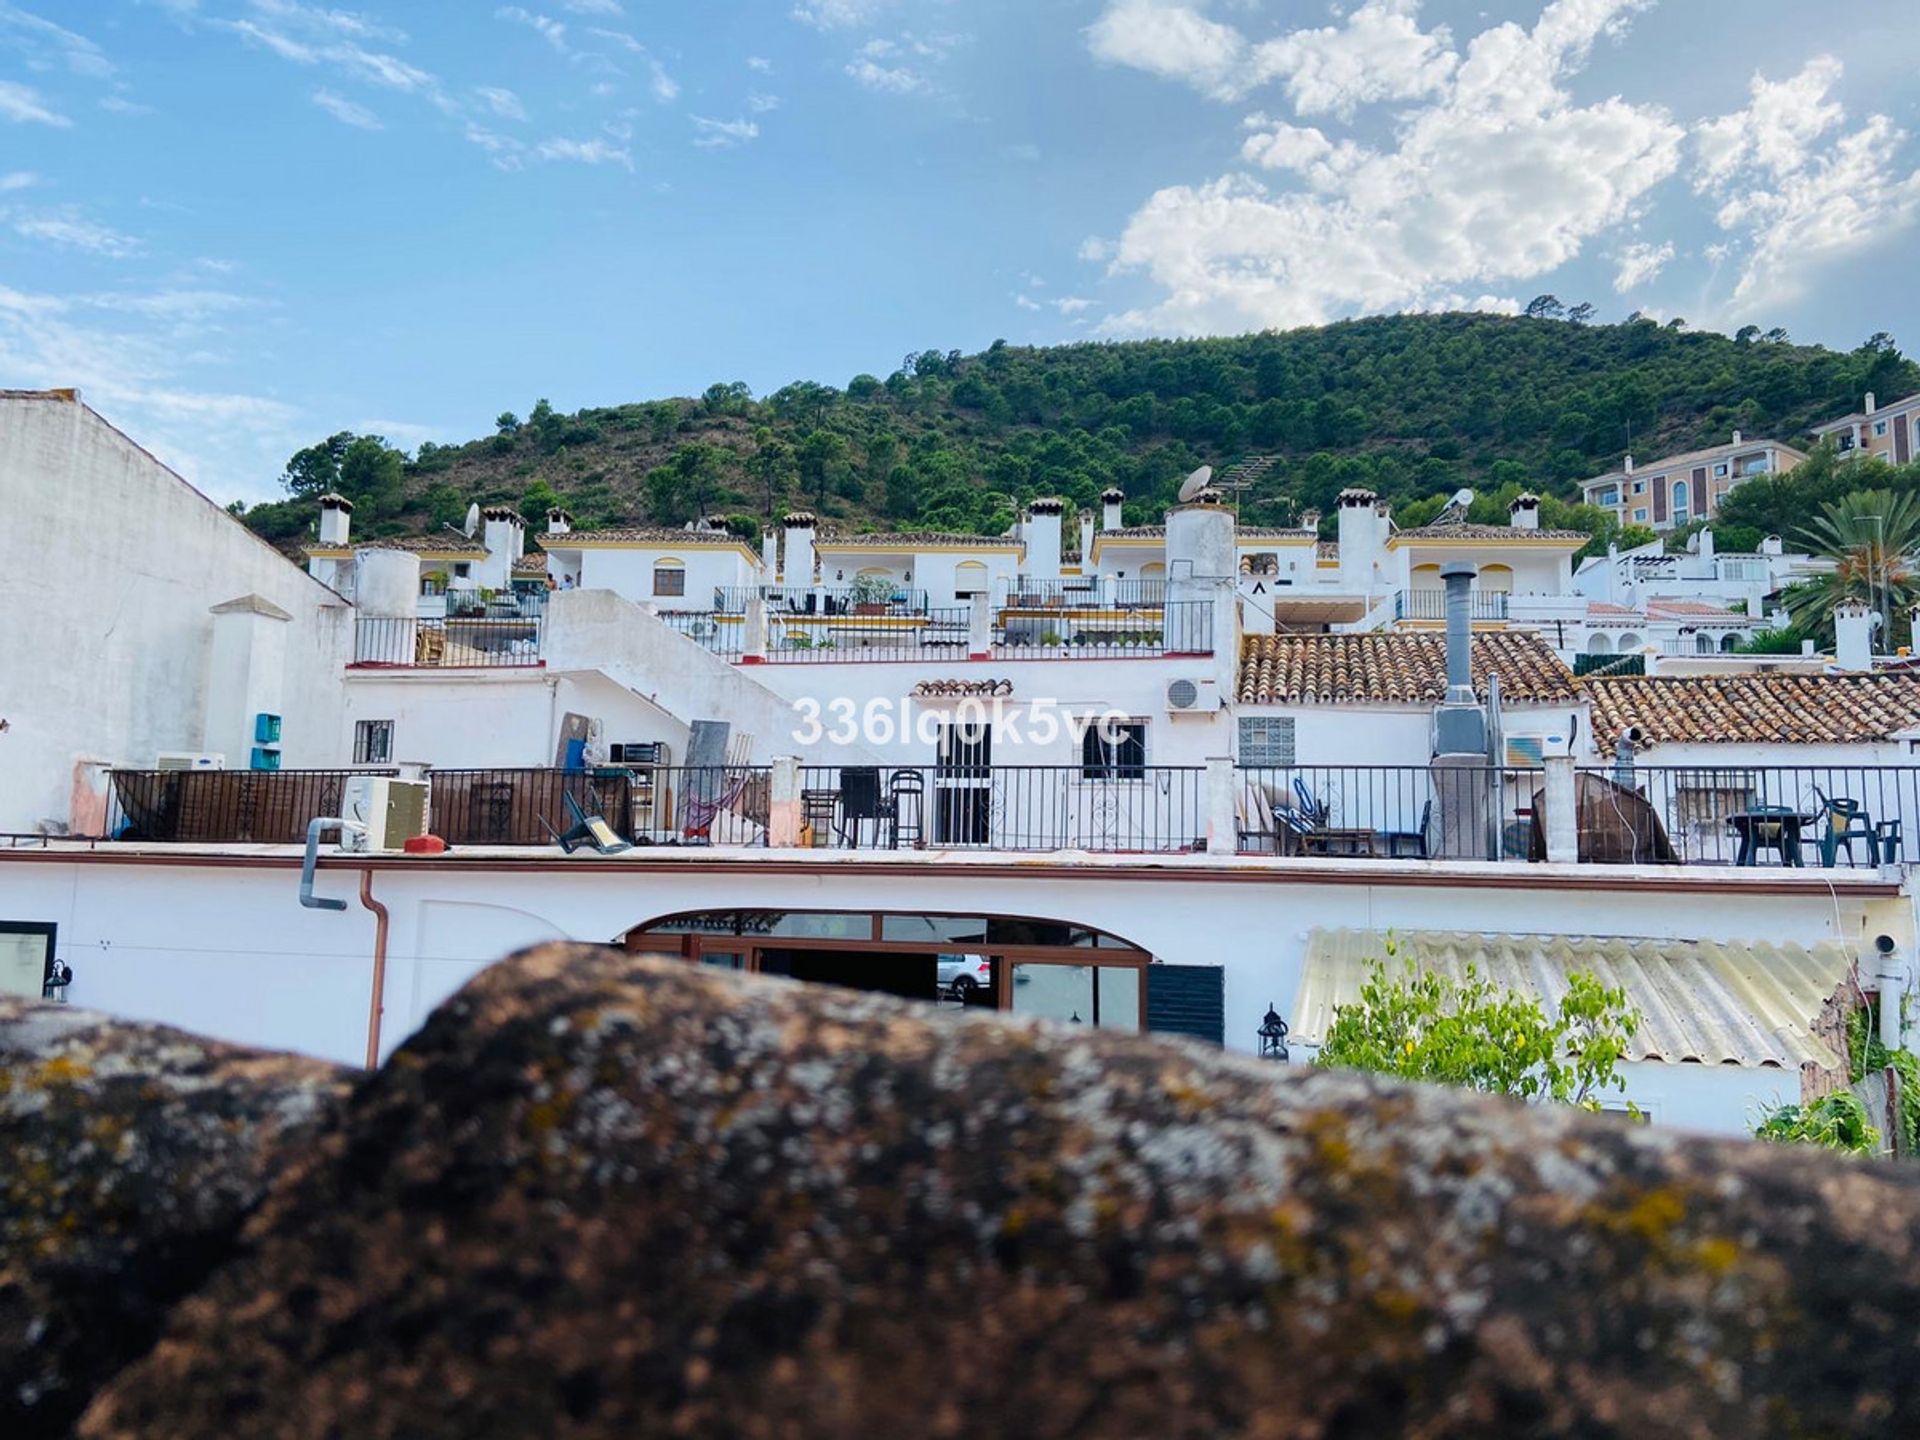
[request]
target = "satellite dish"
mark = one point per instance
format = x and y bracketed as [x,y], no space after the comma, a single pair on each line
[1456,511]
[1195,483]
[1463,498]
[473,520]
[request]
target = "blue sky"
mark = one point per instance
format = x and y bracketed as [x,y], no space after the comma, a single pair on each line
[240,225]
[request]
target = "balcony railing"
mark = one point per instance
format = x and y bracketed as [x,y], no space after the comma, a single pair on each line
[1431,604]
[1794,816]
[818,600]
[448,643]
[1184,627]
[1104,808]
[933,634]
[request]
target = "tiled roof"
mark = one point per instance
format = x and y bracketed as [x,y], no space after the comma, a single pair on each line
[531,564]
[1488,532]
[910,540]
[1860,415]
[1694,457]
[1597,609]
[1693,610]
[1701,1002]
[1274,532]
[642,535]
[413,544]
[1757,709]
[1397,668]
[1134,532]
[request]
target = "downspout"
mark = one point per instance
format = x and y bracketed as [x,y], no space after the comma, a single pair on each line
[376,1006]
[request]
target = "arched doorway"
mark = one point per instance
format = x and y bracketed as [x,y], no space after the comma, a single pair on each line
[1048,969]
[1600,645]
[1495,579]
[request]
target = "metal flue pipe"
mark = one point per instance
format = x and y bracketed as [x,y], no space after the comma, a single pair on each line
[1459,582]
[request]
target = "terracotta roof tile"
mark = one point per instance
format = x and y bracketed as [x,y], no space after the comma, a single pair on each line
[533,564]
[1488,532]
[908,540]
[413,544]
[1755,709]
[1693,610]
[1134,532]
[1392,669]
[641,535]
[1606,608]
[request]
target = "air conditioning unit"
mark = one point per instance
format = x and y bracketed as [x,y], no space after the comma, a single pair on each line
[382,813]
[1193,697]
[188,760]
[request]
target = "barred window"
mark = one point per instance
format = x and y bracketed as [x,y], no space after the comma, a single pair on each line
[373,742]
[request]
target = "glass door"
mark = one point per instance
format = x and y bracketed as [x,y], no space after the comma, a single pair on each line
[1107,997]
[963,783]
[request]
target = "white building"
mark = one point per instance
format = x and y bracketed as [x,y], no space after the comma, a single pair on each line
[149,623]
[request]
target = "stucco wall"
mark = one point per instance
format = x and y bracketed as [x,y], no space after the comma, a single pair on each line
[228,951]
[629,573]
[105,630]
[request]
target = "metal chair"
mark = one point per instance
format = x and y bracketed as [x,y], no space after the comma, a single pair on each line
[861,799]
[909,819]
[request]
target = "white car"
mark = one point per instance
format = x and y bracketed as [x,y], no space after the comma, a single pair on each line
[961,977]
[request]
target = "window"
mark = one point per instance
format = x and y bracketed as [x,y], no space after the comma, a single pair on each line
[373,742]
[1680,515]
[1267,740]
[669,578]
[462,569]
[1639,487]
[1640,515]
[1116,750]
[969,580]
[26,958]
[1720,469]
[1846,442]
[1879,427]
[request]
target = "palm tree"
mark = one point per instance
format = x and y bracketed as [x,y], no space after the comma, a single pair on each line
[1873,539]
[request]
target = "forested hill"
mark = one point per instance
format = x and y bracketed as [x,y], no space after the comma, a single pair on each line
[1412,406]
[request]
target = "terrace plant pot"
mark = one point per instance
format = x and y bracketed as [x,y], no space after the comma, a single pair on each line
[870,607]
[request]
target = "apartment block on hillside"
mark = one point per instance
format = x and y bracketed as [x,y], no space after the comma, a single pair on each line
[1890,432]
[1672,493]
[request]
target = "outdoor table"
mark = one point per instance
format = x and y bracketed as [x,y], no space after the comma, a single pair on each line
[1773,827]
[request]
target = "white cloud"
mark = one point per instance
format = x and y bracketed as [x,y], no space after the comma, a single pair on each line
[120,105]
[762,104]
[900,66]
[1640,262]
[324,21]
[74,233]
[554,32]
[370,66]
[46,44]
[1025,152]
[1173,41]
[1026,302]
[662,86]
[723,134]
[1381,53]
[346,111]
[760,63]
[1499,177]
[1796,191]
[18,180]
[1071,304]
[586,152]
[593,7]
[22,104]
[501,102]
[887,79]
[839,14]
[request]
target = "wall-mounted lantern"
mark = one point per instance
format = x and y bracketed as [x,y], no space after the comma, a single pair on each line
[1273,1035]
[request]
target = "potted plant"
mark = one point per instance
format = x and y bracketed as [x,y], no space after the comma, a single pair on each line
[871,593]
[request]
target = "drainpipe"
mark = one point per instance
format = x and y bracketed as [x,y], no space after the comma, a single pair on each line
[1891,974]
[377,1005]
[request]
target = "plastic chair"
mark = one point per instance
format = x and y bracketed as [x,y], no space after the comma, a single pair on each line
[1847,821]
[861,799]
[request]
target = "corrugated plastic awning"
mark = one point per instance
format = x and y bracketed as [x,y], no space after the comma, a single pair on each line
[1701,1001]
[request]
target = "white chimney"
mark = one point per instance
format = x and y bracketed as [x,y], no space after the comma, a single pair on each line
[1773,545]
[1628,467]
[559,522]
[336,517]
[1110,502]
[1524,513]
[1705,548]
[799,527]
[1043,538]
[769,554]
[1853,636]
[1086,539]
[1871,404]
[1737,437]
[1363,537]
[504,534]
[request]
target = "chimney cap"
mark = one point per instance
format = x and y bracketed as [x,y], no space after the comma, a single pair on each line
[799,520]
[1046,505]
[335,501]
[556,512]
[1525,500]
[1113,495]
[1458,569]
[1208,496]
[1357,496]
[502,512]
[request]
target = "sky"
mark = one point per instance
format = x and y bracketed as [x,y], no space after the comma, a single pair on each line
[241,225]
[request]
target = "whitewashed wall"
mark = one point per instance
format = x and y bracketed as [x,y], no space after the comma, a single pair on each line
[228,951]
[105,632]
[629,573]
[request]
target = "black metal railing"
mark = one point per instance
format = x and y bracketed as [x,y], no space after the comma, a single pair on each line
[1108,809]
[1804,815]
[724,635]
[937,634]
[642,804]
[1184,627]
[821,600]
[1024,593]
[1407,812]
[265,807]
[448,643]
[1431,604]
